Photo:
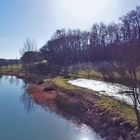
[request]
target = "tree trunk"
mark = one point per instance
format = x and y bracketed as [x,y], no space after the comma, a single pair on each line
[29,68]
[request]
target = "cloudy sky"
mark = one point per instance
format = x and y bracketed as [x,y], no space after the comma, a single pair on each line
[38,19]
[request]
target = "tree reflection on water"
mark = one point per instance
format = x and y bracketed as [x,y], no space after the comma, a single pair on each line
[30,103]
[0,79]
[27,101]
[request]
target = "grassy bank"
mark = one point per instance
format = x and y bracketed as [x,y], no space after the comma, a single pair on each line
[113,106]
[124,111]
[111,118]
[93,109]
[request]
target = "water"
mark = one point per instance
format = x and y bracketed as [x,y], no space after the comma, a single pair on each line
[21,119]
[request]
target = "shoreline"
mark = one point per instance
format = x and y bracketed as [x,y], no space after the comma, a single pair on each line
[80,104]
[83,106]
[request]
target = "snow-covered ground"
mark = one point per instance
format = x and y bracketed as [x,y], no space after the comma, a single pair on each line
[108,89]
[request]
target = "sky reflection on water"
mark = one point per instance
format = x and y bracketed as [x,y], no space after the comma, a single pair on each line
[23,119]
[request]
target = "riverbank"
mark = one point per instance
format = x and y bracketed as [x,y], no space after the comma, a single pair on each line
[114,120]
[32,78]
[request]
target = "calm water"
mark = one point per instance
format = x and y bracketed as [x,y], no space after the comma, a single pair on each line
[21,119]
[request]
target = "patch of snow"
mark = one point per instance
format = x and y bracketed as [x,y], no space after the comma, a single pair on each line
[108,89]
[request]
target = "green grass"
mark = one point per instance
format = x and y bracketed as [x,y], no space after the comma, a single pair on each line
[62,83]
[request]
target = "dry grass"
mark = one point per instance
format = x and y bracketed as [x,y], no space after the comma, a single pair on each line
[93,74]
[40,96]
[125,111]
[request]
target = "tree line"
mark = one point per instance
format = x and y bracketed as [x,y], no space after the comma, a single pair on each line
[8,62]
[101,43]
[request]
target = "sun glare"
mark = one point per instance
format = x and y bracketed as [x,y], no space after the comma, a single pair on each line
[85,139]
[84,8]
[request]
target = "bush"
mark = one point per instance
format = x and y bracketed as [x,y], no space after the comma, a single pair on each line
[69,104]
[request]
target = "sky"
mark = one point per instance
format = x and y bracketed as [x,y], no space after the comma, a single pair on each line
[39,19]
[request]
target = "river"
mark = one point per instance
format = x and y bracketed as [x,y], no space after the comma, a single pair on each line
[22,119]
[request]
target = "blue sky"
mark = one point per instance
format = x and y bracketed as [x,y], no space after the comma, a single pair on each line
[38,19]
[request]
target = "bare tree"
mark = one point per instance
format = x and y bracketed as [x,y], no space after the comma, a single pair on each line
[28,52]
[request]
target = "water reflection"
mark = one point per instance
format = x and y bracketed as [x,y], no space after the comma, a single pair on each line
[30,103]
[86,133]
[27,101]
[35,121]
[0,79]
[13,80]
